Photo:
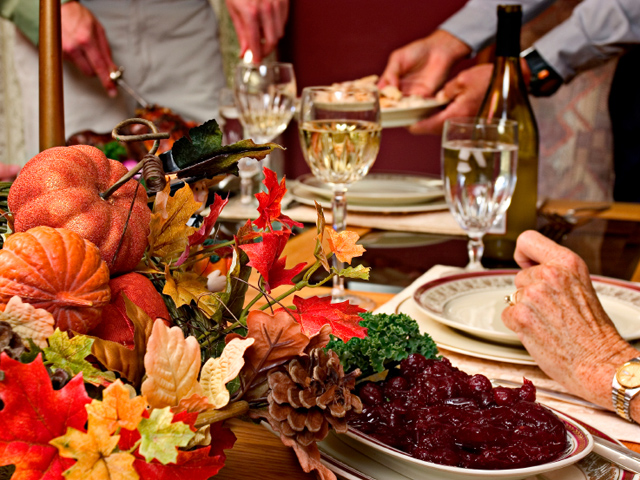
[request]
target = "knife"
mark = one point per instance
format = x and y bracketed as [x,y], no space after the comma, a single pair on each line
[549,393]
[116,76]
[618,454]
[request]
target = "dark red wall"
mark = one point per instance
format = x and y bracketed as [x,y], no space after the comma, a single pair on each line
[335,40]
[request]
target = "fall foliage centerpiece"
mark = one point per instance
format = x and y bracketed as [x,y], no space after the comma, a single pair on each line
[128,335]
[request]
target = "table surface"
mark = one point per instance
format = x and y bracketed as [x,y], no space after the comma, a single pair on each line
[610,244]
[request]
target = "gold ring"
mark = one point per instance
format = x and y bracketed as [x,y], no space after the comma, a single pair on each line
[512,299]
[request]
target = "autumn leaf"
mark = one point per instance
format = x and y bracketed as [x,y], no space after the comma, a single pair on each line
[314,312]
[33,415]
[264,257]
[70,354]
[117,409]
[359,271]
[28,321]
[343,244]
[119,358]
[194,403]
[187,287]
[172,364]
[160,436]
[95,455]
[269,203]
[217,372]
[169,233]
[278,338]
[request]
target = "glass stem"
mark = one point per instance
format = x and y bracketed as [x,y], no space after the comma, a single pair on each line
[339,214]
[246,189]
[475,247]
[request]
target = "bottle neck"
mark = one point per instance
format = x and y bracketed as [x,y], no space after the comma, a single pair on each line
[508,35]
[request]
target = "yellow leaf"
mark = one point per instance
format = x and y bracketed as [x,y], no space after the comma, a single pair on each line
[187,287]
[202,438]
[28,322]
[116,409]
[217,372]
[172,364]
[343,244]
[168,234]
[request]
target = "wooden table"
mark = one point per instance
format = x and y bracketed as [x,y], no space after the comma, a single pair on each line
[260,454]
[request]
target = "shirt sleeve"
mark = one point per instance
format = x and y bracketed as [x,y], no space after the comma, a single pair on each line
[24,14]
[476,23]
[596,31]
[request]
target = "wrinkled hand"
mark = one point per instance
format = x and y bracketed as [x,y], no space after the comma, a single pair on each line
[84,43]
[561,322]
[421,67]
[259,24]
[465,93]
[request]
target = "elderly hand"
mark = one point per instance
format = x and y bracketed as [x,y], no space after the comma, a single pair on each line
[259,24]
[465,92]
[561,322]
[421,67]
[85,44]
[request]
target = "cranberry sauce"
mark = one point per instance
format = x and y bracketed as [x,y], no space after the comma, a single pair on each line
[437,413]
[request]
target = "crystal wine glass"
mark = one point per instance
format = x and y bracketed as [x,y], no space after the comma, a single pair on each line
[340,138]
[479,159]
[265,96]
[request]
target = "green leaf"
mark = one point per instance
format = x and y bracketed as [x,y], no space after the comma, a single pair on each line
[390,339]
[359,271]
[202,141]
[114,150]
[160,437]
[30,355]
[70,354]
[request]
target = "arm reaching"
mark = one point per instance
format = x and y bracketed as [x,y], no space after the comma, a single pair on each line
[561,322]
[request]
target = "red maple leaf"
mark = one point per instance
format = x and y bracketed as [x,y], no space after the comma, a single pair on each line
[199,236]
[264,256]
[269,203]
[34,414]
[203,462]
[314,312]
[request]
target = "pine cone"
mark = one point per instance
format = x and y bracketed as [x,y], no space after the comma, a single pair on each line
[10,341]
[310,394]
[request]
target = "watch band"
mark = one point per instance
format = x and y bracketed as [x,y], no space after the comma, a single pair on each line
[621,395]
[544,80]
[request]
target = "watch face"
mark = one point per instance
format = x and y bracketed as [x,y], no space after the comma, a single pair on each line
[629,375]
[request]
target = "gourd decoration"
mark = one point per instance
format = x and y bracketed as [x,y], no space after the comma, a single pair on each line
[62,186]
[59,271]
[116,325]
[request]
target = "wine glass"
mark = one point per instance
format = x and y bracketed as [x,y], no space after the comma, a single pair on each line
[479,160]
[265,96]
[340,138]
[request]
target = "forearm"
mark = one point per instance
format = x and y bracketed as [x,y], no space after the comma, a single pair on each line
[596,31]
[25,15]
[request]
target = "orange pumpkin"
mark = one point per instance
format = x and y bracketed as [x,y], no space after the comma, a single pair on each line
[61,186]
[56,269]
[115,325]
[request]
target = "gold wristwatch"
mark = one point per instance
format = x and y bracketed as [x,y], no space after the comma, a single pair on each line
[626,385]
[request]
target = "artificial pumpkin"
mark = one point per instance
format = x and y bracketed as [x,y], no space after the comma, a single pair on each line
[58,270]
[116,325]
[61,186]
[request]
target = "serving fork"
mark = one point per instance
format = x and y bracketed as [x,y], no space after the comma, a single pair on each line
[560,225]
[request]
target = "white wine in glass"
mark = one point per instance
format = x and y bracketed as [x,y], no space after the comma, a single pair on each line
[265,97]
[340,138]
[479,161]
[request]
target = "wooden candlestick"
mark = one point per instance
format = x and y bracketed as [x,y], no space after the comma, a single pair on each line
[50,76]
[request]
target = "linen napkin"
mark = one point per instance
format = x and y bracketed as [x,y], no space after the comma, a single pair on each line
[606,422]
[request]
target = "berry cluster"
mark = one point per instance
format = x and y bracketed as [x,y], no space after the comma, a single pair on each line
[438,413]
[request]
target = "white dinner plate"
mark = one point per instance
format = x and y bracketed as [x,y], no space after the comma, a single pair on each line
[457,341]
[405,116]
[381,189]
[306,198]
[473,302]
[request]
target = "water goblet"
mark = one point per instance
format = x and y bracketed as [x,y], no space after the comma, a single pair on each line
[479,160]
[340,138]
[265,97]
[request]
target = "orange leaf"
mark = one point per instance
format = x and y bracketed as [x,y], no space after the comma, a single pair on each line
[343,244]
[116,409]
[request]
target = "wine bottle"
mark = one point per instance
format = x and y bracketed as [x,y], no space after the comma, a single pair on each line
[507,98]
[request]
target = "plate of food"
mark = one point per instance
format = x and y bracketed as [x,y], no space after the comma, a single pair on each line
[428,419]
[472,302]
[381,189]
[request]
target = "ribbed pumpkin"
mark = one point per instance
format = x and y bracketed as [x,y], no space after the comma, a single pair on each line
[115,325]
[56,269]
[61,186]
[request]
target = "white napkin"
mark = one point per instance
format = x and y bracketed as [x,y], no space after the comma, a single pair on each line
[606,422]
